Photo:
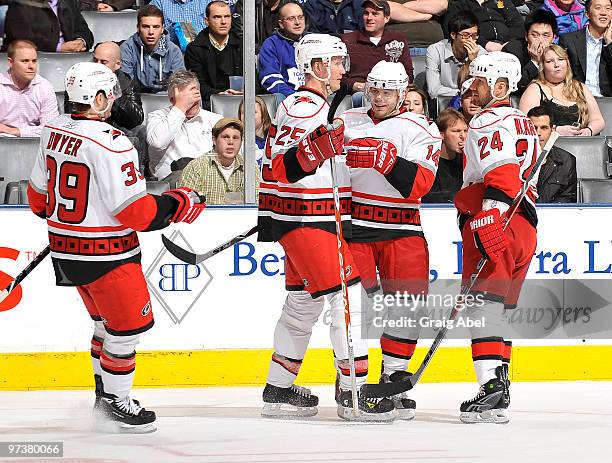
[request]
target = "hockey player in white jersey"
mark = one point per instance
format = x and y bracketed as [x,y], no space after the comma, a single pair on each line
[501,150]
[86,184]
[393,155]
[296,208]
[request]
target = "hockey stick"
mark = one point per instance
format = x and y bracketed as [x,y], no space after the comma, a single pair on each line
[25,272]
[481,264]
[195,259]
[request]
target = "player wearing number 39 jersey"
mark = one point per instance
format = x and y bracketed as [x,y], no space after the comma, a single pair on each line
[501,150]
[85,183]
[393,155]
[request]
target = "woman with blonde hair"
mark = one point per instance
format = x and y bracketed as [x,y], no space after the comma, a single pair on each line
[262,125]
[572,104]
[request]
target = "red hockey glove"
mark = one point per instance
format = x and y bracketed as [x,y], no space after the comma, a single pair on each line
[190,204]
[489,235]
[321,144]
[367,153]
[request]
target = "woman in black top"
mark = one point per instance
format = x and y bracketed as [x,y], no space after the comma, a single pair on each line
[572,104]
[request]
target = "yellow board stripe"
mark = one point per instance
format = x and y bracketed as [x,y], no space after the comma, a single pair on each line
[248,367]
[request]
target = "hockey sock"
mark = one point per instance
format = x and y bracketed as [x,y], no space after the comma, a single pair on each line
[487,355]
[96,351]
[344,370]
[507,352]
[118,373]
[396,353]
[283,370]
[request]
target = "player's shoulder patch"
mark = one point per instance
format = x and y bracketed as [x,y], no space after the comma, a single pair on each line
[304,104]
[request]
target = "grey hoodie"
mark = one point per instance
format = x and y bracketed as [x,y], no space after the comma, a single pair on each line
[151,69]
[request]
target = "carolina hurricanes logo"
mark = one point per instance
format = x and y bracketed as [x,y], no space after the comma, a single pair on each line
[305,99]
[146,309]
[348,271]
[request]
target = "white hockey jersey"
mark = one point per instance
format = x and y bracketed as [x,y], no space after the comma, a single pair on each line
[288,197]
[387,206]
[89,172]
[499,139]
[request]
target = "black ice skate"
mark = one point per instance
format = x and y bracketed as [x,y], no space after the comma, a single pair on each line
[124,416]
[99,392]
[372,409]
[405,406]
[283,402]
[491,403]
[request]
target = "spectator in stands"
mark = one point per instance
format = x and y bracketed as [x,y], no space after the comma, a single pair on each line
[27,100]
[182,14]
[590,49]
[449,177]
[498,21]
[417,10]
[571,103]
[127,110]
[570,14]
[278,72]
[445,57]
[557,180]
[149,56]
[335,17]
[266,19]
[373,43]
[219,174]
[180,131]
[416,101]
[216,53]
[105,6]
[541,27]
[468,108]
[53,25]
[262,125]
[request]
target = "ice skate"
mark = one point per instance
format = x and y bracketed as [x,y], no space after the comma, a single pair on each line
[403,404]
[283,402]
[491,403]
[124,416]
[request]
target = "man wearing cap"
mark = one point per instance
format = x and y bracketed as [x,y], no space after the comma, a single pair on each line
[372,43]
[219,174]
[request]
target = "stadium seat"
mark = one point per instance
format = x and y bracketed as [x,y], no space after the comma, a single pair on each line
[59,96]
[153,101]
[227,105]
[594,190]
[442,103]
[605,105]
[157,187]
[16,160]
[53,66]
[111,26]
[3,63]
[591,155]
[16,192]
[418,65]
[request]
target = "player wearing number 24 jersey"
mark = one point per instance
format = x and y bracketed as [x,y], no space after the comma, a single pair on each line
[85,183]
[501,150]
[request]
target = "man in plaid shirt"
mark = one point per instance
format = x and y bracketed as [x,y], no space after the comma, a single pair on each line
[219,174]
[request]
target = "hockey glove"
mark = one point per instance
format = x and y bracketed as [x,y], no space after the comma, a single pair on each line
[489,235]
[321,144]
[190,204]
[367,153]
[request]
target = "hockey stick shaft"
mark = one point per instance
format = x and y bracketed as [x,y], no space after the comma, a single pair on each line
[193,258]
[26,271]
[481,264]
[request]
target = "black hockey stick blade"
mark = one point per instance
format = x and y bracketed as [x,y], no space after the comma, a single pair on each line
[336,100]
[26,271]
[193,258]
[378,391]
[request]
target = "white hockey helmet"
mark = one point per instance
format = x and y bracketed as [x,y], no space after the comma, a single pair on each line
[319,46]
[84,81]
[388,76]
[497,65]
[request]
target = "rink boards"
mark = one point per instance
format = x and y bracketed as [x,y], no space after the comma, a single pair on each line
[215,322]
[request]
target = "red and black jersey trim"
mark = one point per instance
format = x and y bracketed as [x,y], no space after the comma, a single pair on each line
[397,347]
[142,329]
[301,206]
[385,214]
[78,272]
[269,229]
[491,348]
[80,246]
[166,208]
[370,234]
[402,176]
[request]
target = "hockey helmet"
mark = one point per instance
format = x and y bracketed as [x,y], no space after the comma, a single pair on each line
[388,76]
[84,81]
[497,65]
[319,46]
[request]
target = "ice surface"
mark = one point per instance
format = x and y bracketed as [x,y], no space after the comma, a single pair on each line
[550,422]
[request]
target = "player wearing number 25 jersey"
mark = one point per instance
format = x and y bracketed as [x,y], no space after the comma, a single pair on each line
[501,150]
[85,183]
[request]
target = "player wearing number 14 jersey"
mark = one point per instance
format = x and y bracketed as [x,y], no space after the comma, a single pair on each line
[501,150]
[86,185]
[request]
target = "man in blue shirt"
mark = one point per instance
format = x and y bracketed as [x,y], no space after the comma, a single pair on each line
[178,11]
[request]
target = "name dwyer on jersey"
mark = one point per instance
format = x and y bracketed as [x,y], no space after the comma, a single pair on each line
[66,144]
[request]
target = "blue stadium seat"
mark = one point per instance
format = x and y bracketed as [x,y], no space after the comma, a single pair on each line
[111,26]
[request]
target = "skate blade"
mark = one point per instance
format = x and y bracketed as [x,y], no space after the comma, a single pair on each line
[107,426]
[495,416]
[348,414]
[405,414]
[287,411]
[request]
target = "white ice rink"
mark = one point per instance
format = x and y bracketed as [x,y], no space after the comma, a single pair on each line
[550,422]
